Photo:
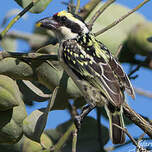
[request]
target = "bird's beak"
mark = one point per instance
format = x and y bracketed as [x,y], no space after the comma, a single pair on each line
[48,23]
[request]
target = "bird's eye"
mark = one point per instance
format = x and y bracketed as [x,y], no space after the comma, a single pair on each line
[63,19]
[55,17]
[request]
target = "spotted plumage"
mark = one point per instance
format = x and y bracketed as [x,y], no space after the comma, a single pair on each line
[98,75]
[95,61]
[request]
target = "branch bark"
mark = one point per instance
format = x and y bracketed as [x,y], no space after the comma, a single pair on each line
[138,120]
[16,18]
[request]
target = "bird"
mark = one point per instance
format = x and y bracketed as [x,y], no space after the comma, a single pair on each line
[96,72]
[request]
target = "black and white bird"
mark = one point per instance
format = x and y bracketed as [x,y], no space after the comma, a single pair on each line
[97,74]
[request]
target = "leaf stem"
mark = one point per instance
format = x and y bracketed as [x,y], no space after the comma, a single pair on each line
[63,139]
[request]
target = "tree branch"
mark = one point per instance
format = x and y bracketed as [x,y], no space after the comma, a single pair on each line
[99,12]
[85,11]
[138,120]
[28,56]
[127,133]
[138,147]
[15,19]
[74,141]
[121,18]
[77,7]
[143,92]
[63,139]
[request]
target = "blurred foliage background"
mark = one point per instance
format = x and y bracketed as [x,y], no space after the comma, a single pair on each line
[26,81]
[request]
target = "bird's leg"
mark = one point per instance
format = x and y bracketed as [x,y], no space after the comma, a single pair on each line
[79,118]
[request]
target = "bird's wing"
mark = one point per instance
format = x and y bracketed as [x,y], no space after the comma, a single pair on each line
[119,72]
[116,67]
[93,68]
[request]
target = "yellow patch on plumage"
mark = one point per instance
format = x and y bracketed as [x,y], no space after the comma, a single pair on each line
[65,54]
[38,24]
[81,56]
[90,62]
[81,63]
[68,58]
[68,15]
[84,39]
[74,62]
[86,63]
[76,55]
[63,13]
[90,43]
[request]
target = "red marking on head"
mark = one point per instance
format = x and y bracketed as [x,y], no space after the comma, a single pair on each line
[56,14]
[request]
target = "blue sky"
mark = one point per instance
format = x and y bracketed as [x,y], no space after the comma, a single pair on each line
[141,104]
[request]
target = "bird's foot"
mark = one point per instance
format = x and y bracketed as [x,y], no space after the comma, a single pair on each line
[79,118]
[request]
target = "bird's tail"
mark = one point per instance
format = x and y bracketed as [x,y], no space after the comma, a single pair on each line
[115,117]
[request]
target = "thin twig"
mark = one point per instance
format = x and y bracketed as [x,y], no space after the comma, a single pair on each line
[141,137]
[87,9]
[16,18]
[119,50]
[73,110]
[138,147]
[74,141]
[71,6]
[127,133]
[111,148]
[28,56]
[133,71]
[143,92]
[99,12]
[137,68]
[63,139]
[77,7]
[137,119]
[121,18]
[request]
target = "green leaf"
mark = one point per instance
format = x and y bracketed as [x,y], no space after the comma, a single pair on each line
[8,44]
[37,8]
[35,123]
[32,146]
[51,78]
[87,137]
[11,122]
[16,69]
[33,91]
[9,93]
[11,147]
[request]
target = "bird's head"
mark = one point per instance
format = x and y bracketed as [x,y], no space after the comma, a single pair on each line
[65,25]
